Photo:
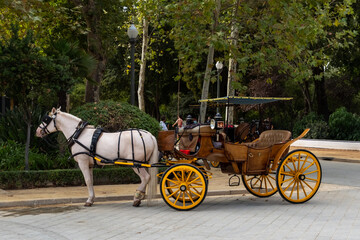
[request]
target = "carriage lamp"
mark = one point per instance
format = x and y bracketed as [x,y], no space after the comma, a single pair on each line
[132,33]
[219,67]
[216,123]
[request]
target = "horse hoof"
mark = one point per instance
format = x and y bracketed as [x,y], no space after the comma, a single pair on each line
[87,204]
[137,203]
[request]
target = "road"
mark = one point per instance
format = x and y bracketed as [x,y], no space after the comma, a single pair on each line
[333,213]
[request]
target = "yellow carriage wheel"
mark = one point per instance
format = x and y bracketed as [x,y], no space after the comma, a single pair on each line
[298,176]
[175,195]
[261,185]
[183,186]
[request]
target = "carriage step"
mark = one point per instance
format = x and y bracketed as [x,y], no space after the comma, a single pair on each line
[234,181]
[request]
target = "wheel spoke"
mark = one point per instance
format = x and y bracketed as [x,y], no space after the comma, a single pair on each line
[308,167]
[189,195]
[173,193]
[271,177]
[175,174]
[312,179]
[293,180]
[195,193]
[195,180]
[292,190]
[297,190]
[270,183]
[290,169]
[172,181]
[265,184]
[302,166]
[177,198]
[308,185]
[303,188]
[292,161]
[288,174]
[189,176]
[315,171]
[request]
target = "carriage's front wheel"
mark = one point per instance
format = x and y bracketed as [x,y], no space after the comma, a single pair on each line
[298,176]
[183,186]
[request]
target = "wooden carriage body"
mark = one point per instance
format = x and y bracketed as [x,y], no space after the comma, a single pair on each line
[252,158]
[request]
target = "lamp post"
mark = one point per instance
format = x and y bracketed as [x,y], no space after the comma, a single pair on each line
[219,67]
[132,33]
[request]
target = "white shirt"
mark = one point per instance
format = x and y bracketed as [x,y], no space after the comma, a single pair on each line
[163,126]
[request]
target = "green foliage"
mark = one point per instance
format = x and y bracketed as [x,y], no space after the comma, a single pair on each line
[13,125]
[12,155]
[70,177]
[115,116]
[319,129]
[344,125]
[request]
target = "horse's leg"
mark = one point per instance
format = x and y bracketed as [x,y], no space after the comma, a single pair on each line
[88,176]
[140,191]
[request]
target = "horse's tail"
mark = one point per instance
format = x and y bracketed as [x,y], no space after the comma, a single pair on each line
[152,187]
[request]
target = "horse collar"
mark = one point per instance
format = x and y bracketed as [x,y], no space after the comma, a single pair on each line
[80,127]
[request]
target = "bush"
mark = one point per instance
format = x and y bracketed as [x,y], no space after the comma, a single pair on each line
[344,125]
[12,155]
[115,116]
[68,177]
[319,129]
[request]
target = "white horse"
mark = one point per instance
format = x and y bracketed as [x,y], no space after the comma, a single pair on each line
[133,145]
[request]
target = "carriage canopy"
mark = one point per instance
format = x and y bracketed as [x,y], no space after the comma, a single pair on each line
[234,100]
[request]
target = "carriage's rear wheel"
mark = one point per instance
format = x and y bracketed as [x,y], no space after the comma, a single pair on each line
[183,186]
[261,185]
[298,176]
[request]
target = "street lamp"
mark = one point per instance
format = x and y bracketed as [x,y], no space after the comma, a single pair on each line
[132,33]
[219,67]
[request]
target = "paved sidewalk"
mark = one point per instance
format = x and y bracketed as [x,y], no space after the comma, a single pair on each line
[218,185]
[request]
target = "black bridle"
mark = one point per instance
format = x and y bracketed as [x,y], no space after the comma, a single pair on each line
[46,120]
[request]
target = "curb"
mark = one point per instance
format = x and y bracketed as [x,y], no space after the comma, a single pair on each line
[44,202]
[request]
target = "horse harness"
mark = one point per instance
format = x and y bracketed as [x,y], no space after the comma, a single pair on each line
[91,151]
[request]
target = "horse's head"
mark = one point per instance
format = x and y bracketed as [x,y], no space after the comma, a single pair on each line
[48,124]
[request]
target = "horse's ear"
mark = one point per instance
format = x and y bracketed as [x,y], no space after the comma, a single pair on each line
[58,110]
[53,110]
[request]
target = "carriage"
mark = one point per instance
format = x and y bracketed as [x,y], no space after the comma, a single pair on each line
[266,166]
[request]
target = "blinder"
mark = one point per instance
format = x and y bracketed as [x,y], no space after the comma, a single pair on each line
[46,120]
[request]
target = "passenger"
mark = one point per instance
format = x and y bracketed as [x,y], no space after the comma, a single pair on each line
[163,124]
[179,122]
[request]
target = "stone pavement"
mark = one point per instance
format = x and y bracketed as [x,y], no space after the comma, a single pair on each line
[333,213]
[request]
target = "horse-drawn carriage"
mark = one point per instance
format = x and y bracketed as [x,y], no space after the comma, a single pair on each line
[265,164]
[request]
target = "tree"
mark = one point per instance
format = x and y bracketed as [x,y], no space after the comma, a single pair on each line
[73,63]
[209,63]
[25,75]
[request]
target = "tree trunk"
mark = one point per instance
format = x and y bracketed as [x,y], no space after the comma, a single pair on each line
[62,99]
[232,64]
[307,97]
[27,145]
[143,65]
[320,93]
[91,15]
[209,64]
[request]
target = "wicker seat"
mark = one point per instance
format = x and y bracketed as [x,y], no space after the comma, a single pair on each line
[270,138]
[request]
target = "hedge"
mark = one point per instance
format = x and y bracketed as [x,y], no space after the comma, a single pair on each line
[66,177]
